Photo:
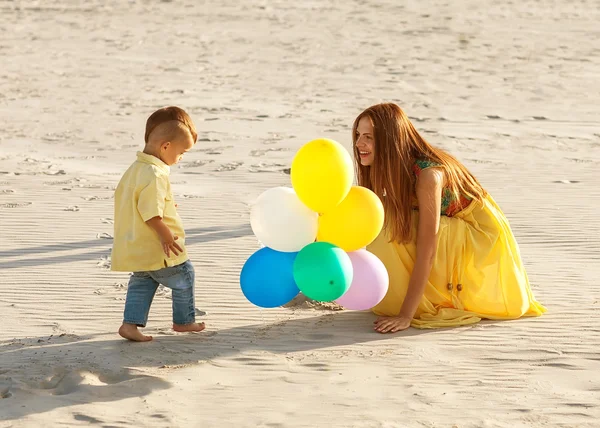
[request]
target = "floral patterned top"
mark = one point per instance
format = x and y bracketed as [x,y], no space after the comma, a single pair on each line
[450,205]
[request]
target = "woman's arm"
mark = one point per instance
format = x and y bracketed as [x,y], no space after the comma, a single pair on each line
[429,196]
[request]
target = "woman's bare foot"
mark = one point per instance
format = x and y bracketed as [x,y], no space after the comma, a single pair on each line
[131,332]
[182,328]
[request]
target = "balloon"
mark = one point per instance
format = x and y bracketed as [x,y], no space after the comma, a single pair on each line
[369,284]
[282,222]
[355,222]
[322,174]
[267,278]
[323,271]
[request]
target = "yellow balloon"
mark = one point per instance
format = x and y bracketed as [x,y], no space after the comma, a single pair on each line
[322,174]
[354,223]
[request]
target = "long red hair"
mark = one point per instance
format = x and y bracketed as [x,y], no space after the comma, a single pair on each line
[391,177]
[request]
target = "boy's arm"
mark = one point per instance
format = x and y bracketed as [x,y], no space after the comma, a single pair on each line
[151,205]
[167,239]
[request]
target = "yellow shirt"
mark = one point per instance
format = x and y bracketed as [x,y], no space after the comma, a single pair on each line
[144,192]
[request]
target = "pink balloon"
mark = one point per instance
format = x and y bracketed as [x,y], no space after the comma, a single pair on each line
[369,284]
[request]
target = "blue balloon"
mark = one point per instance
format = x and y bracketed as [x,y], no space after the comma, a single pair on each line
[267,278]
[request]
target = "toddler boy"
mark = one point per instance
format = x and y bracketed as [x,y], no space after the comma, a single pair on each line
[149,239]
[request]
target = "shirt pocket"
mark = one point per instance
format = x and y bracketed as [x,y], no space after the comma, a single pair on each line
[170,210]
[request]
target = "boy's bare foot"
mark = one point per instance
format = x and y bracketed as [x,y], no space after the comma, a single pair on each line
[182,328]
[131,332]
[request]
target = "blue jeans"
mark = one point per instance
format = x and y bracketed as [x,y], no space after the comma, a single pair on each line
[142,287]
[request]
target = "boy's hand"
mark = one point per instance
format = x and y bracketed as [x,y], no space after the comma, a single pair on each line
[167,239]
[169,245]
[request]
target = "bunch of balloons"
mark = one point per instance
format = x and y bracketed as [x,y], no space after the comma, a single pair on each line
[315,234]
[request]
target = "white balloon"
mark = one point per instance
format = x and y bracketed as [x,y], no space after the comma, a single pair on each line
[282,222]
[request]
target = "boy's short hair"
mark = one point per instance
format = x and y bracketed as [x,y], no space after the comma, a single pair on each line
[170,114]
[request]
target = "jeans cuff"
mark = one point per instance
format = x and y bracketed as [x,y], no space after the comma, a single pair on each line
[138,323]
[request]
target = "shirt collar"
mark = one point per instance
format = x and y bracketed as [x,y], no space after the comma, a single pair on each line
[153,160]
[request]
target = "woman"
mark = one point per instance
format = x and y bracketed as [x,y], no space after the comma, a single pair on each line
[448,248]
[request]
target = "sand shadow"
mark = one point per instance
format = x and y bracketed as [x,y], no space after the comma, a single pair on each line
[74,368]
[193,237]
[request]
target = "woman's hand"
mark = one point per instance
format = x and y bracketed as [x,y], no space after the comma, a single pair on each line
[391,324]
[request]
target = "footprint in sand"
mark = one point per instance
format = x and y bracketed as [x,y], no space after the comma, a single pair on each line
[485,162]
[65,381]
[5,392]
[267,167]
[103,235]
[105,262]
[97,198]
[51,382]
[85,418]
[72,208]
[215,150]
[77,157]
[317,366]
[58,183]
[273,140]
[15,205]
[164,292]
[6,191]
[91,186]
[231,166]
[577,160]
[108,221]
[262,152]
[59,172]
[195,164]
[51,136]
[34,161]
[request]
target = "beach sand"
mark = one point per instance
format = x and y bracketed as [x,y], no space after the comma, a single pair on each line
[512,89]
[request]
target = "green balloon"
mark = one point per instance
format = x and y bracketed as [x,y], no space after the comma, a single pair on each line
[323,271]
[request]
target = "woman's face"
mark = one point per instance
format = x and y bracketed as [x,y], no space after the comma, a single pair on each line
[365,141]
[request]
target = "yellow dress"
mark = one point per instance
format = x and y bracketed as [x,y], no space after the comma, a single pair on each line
[477,272]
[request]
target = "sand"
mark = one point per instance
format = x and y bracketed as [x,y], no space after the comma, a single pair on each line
[511,89]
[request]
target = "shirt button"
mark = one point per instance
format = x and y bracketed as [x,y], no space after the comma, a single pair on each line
[449,287]
[459,287]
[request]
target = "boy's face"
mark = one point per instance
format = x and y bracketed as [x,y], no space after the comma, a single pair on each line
[171,152]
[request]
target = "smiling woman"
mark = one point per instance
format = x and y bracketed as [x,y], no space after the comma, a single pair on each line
[365,141]
[450,253]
